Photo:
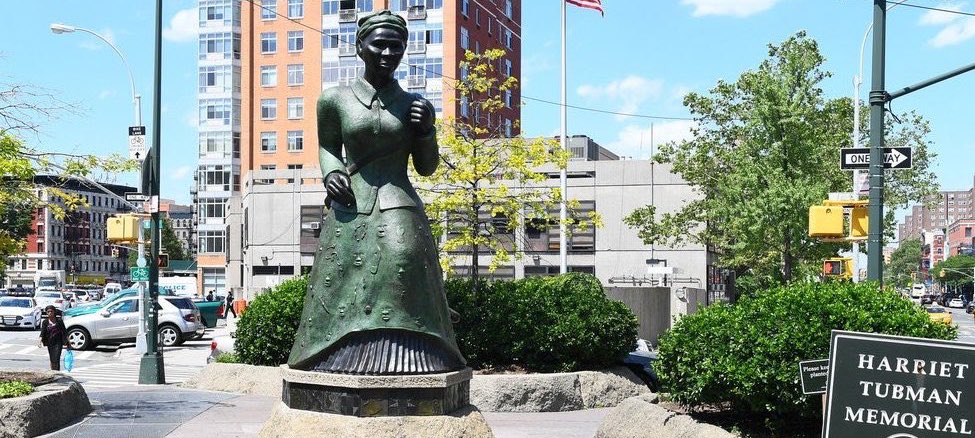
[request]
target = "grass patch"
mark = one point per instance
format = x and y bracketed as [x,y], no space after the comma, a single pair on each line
[15,388]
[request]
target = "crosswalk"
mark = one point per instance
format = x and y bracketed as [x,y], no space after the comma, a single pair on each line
[118,374]
[34,350]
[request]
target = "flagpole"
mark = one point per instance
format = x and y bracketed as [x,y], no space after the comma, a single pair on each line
[563,247]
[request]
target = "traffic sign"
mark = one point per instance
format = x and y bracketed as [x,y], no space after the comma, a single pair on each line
[137,143]
[137,273]
[859,158]
[136,197]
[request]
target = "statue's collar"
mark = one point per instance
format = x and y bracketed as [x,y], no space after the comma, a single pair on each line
[366,94]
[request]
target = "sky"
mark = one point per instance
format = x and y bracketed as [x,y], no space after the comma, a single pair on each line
[642,57]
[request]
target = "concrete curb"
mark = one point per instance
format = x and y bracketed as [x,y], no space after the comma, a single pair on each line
[50,407]
[239,378]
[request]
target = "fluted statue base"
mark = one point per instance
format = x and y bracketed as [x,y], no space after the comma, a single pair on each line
[376,396]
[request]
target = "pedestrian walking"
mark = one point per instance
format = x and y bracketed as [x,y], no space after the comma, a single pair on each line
[53,336]
[210,296]
[230,304]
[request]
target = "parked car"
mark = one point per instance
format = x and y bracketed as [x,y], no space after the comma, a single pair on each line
[211,310]
[94,307]
[52,297]
[640,361]
[957,303]
[111,289]
[20,312]
[119,322]
[939,314]
[927,299]
[20,292]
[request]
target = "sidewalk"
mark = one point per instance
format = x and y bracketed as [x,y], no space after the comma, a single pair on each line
[166,411]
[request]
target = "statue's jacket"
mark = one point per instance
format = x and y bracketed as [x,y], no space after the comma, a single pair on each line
[376,266]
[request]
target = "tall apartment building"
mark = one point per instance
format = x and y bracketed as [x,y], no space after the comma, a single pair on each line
[75,243]
[289,51]
[218,171]
[939,211]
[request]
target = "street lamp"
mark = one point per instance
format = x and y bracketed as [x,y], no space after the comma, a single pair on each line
[59,28]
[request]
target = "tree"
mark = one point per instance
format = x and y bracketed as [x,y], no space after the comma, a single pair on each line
[23,111]
[170,243]
[958,271]
[489,184]
[765,148]
[904,263]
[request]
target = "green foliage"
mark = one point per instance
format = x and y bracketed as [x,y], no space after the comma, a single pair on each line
[958,271]
[489,184]
[745,356]
[765,148]
[171,243]
[543,324]
[267,329]
[15,388]
[228,358]
[904,261]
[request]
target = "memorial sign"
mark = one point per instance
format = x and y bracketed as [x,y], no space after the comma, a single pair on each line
[894,386]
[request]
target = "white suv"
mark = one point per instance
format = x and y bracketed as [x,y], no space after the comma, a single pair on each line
[179,320]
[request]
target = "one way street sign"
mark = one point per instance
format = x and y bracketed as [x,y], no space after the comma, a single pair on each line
[859,158]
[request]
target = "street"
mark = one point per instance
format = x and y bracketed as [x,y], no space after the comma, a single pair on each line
[965,323]
[107,366]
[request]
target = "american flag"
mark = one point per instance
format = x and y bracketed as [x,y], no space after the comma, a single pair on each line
[591,4]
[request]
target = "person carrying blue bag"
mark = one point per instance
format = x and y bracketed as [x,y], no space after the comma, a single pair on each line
[53,336]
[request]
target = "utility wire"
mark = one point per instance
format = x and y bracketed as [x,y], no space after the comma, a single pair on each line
[420,68]
[930,8]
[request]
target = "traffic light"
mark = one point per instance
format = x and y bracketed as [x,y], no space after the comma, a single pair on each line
[115,252]
[123,228]
[858,221]
[163,261]
[838,267]
[826,221]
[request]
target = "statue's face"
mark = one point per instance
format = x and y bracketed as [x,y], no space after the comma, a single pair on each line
[382,49]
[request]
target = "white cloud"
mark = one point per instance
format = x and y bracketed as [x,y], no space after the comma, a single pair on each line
[636,140]
[935,18]
[193,119]
[735,8]
[105,94]
[183,27]
[181,172]
[92,43]
[630,92]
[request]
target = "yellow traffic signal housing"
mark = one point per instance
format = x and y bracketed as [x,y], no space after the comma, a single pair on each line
[839,267]
[826,221]
[941,273]
[858,221]
[123,228]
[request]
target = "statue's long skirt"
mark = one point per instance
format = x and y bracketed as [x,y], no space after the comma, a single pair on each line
[375,302]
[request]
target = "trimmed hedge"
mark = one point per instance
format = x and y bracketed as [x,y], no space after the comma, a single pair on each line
[542,324]
[745,356]
[267,329]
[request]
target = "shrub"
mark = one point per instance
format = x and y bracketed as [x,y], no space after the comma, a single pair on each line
[15,388]
[562,323]
[267,329]
[227,358]
[746,356]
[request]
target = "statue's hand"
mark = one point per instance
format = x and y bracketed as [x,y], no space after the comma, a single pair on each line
[422,116]
[339,188]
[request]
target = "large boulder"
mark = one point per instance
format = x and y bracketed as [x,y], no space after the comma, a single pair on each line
[238,378]
[641,416]
[286,422]
[57,402]
[554,392]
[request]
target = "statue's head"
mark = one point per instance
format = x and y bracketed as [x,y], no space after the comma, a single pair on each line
[381,41]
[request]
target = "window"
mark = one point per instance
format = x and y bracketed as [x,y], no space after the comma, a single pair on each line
[296,74]
[403,5]
[218,11]
[218,79]
[464,106]
[269,141]
[214,178]
[222,144]
[490,25]
[465,38]
[968,231]
[431,68]
[296,107]
[296,8]
[330,38]
[477,16]
[508,12]
[296,141]
[507,98]
[507,67]
[269,75]
[269,109]
[220,44]
[507,38]
[212,208]
[211,242]
[269,9]
[269,42]
[296,40]
[216,110]
[293,167]
[464,7]
[507,128]
[434,36]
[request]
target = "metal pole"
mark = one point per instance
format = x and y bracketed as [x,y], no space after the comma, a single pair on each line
[151,368]
[856,173]
[875,233]
[563,244]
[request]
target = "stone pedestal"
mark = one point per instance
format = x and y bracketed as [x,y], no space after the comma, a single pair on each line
[376,396]
[426,405]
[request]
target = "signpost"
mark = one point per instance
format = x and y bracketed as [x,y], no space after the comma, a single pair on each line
[136,197]
[137,143]
[859,158]
[812,374]
[895,386]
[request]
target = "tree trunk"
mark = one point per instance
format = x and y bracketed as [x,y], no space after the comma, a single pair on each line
[787,258]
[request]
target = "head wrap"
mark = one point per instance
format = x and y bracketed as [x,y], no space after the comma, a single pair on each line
[382,19]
